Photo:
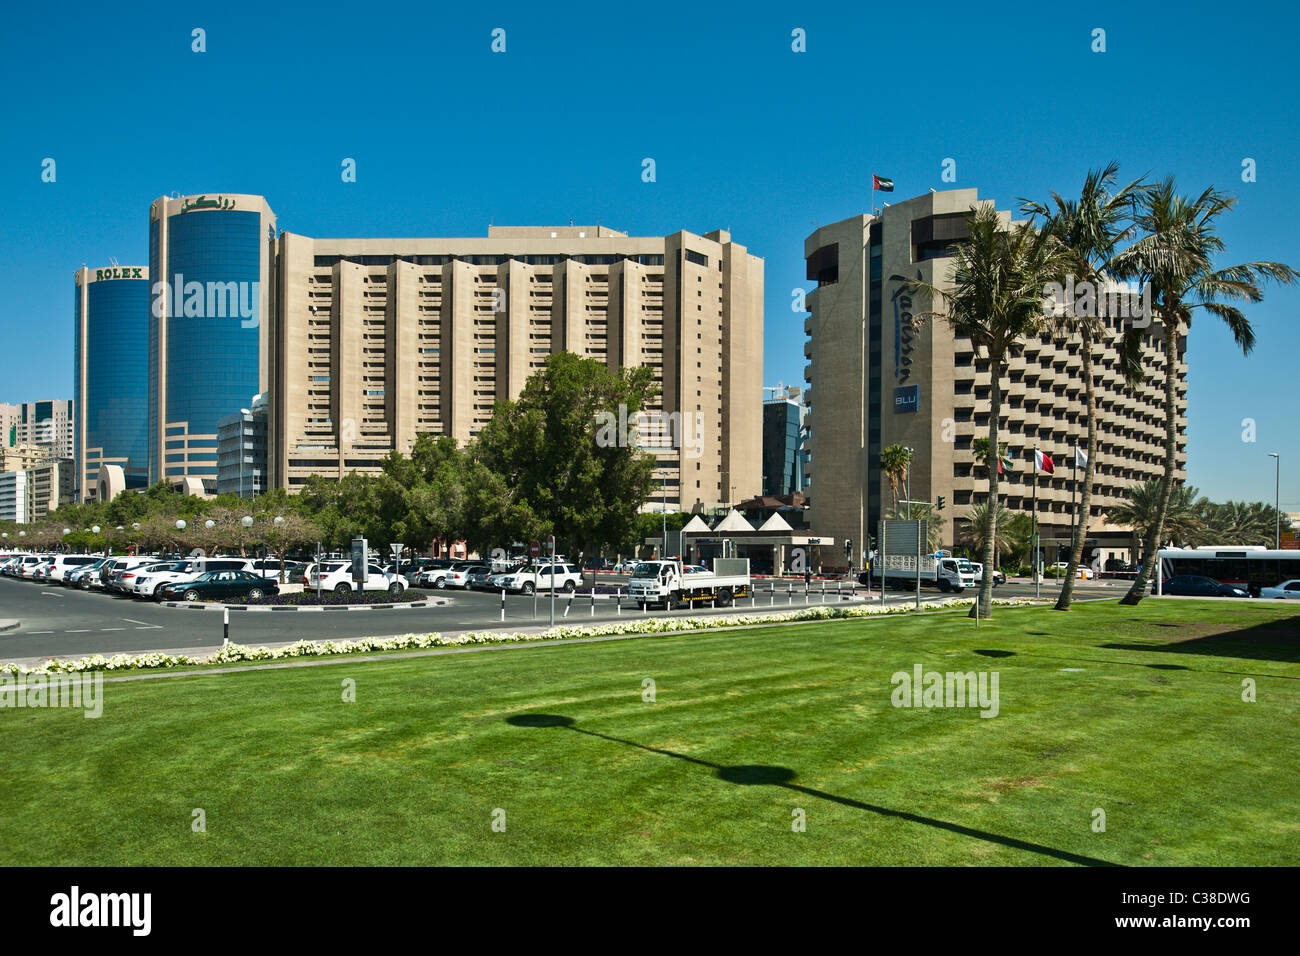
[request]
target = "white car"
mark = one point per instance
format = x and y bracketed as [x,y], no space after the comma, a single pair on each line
[540,577]
[1287,590]
[337,576]
[64,563]
[147,579]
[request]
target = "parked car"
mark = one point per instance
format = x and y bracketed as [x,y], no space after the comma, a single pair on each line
[74,576]
[1287,590]
[337,576]
[25,565]
[220,584]
[435,576]
[541,577]
[1196,585]
[63,563]
[459,577]
[151,577]
[111,579]
[998,576]
[87,577]
[270,568]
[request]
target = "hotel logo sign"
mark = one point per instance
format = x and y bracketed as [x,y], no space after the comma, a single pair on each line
[906,325]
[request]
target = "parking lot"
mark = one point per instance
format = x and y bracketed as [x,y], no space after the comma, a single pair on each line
[60,621]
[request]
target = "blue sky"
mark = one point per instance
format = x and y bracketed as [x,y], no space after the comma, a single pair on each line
[746,134]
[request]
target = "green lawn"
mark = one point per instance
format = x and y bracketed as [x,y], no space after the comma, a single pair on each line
[747,728]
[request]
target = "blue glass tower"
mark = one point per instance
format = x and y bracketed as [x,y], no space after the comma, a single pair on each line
[110,388]
[208,318]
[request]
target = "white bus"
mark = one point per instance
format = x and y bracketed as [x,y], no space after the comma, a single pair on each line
[1246,567]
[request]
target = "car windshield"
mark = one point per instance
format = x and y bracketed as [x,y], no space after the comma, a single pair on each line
[645,570]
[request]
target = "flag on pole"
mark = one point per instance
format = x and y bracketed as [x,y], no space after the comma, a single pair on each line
[1080,457]
[1006,463]
[885,184]
[1043,462]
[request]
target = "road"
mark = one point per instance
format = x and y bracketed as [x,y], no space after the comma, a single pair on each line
[58,621]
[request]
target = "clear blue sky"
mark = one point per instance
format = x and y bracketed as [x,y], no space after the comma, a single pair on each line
[746,134]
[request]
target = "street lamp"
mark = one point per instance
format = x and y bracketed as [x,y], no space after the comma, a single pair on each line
[1277,514]
[94,529]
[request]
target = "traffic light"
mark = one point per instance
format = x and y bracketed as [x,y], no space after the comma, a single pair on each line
[939,505]
[848,547]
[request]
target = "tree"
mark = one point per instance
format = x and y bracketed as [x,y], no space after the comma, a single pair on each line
[973,532]
[1090,231]
[565,455]
[1175,253]
[996,300]
[894,463]
[1140,510]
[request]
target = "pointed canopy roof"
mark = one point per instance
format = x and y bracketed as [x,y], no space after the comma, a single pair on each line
[775,523]
[695,526]
[734,521]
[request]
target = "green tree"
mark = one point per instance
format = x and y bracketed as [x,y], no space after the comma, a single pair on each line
[1175,252]
[894,463]
[559,453]
[1140,510]
[996,300]
[1091,230]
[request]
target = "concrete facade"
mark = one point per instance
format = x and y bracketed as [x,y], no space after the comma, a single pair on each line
[884,375]
[379,340]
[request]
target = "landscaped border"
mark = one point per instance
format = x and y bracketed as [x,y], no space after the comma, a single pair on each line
[233,653]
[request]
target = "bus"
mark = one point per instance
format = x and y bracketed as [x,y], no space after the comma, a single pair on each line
[1248,567]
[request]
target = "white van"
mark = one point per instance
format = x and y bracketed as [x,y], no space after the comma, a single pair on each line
[61,564]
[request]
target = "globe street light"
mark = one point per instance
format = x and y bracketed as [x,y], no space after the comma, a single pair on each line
[209,524]
[246,521]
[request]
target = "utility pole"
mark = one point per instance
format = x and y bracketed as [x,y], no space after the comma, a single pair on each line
[1277,501]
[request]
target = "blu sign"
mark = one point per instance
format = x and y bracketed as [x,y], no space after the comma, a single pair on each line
[907,398]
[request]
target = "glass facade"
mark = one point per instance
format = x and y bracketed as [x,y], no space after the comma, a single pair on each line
[783,452]
[115,400]
[212,331]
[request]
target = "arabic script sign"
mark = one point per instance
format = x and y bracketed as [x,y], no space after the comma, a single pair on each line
[203,202]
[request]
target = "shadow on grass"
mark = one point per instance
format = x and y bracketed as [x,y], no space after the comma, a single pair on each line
[1269,641]
[759,775]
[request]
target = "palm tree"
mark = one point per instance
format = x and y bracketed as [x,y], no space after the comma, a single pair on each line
[894,462]
[1140,510]
[995,299]
[1175,254]
[973,533]
[1091,230]
[1236,522]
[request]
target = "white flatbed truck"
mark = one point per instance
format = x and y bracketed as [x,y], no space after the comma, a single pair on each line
[947,573]
[666,582]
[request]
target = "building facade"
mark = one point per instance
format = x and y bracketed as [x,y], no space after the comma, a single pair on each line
[13,496]
[241,451]
[379,340]
[784,454]
[208,331]
[886,375]
[48,424]
[110,376]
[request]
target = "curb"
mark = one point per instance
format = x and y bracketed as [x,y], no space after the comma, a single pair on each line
[196,606]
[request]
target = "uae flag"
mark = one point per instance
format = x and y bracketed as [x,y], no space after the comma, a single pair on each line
[1005,464]
[885,185]
[1043,462]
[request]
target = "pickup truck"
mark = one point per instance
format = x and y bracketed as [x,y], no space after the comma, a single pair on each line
[944,572]
[668,583]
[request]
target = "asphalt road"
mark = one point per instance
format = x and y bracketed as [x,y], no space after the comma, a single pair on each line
[59,621]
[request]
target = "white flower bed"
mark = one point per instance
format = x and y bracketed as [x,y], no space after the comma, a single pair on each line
[233,653]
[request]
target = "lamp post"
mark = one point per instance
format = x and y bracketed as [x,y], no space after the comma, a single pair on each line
[64,543]
[108,552]
[1277,514]
[245,522]
[180,524]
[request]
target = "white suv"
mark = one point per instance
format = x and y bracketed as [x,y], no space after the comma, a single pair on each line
[337,576]
[540,577]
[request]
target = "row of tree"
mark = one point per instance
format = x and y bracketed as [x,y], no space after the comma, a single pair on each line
[1144,233]
[540,467]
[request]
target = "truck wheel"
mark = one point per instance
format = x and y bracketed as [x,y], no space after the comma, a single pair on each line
[944,586]
[725,598]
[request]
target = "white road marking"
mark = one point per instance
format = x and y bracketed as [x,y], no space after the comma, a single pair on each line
[114,629]
[132,621]
[40,632]
[82,630]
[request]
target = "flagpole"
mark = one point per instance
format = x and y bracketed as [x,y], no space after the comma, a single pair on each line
[1073,486]
[1038,575]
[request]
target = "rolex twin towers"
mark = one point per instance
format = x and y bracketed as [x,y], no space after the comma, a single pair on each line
[336,352]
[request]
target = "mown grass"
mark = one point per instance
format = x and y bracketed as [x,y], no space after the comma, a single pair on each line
[747,729]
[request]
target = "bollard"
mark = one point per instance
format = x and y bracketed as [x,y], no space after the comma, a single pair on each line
[225,626]
[823,590]
[503,604]
[593,599]
[789,593]
[569,605]
[618,602]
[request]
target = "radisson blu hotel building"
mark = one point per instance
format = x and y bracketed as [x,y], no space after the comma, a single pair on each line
[207,325]
[110,385]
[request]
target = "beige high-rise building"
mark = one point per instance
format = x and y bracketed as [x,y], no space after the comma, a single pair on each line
[884,376]
[379,340]
[47,423]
